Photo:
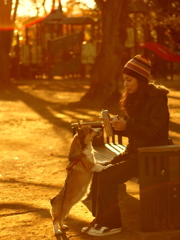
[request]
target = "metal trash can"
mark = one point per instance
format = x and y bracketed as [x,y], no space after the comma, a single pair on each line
[159,173]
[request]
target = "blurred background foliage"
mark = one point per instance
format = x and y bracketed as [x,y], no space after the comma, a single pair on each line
[87,39]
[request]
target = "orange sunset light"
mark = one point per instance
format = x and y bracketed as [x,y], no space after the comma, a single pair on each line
[27,10]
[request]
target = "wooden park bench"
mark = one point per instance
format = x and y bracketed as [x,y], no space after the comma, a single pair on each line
[159,179]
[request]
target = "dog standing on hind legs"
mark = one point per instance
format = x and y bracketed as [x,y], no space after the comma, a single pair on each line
[80,169]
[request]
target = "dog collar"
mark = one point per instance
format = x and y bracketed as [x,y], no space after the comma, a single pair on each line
[72,159]
[75,160]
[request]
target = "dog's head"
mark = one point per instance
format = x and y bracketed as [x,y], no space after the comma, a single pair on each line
[86,134]
[82,139]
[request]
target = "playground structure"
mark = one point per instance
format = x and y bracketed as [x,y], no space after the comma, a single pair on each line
[57,45]
[31,44]
[51,46]
[165,54]
[65,53]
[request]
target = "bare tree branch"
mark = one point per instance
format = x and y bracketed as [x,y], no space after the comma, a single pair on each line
[15,10]
[43,5]
[53,4]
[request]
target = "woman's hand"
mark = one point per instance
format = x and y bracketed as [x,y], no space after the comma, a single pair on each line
[119,125]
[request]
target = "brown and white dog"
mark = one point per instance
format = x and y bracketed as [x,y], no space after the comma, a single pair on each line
[81,166]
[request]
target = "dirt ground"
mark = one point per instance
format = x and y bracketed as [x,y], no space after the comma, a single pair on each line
[35,136]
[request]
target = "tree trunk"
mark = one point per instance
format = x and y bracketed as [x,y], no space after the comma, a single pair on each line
[7,18]
[5,44]
[106,73]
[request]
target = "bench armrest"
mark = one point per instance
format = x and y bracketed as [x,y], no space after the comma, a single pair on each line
[164,148]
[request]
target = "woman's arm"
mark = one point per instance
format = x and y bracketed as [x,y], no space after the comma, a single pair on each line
[154,126]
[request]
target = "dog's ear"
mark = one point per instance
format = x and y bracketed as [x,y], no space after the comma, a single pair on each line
[79,128]
[79,124]
[81,136]
[80,133]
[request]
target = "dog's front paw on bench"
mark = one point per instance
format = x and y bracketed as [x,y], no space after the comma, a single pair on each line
[97,168]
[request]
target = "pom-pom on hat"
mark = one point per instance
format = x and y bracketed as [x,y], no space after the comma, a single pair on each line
[138,67]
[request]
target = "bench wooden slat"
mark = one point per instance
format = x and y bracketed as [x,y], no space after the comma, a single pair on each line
[103,154]
[112,148]
[120,148]
[105,151]
[101,158]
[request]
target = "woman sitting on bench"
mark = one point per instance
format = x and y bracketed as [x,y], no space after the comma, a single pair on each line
[146,124]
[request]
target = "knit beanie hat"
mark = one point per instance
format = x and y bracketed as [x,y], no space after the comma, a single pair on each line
[138,67]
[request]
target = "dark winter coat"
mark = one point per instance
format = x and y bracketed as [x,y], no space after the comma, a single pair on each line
[150,127]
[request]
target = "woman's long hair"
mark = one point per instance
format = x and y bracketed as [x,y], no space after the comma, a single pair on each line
[132,104]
